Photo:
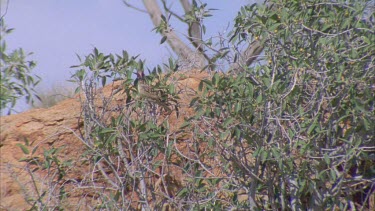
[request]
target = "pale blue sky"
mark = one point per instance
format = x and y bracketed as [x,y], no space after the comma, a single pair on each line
[55,30]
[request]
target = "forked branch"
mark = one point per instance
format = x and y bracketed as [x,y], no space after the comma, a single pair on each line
[196,58]
[177,45]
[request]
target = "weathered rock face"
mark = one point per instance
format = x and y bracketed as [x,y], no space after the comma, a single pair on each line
[41,127]
[45,128]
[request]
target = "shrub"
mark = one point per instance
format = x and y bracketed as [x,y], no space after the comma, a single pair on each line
[294,132]
[16,80]
[303,138]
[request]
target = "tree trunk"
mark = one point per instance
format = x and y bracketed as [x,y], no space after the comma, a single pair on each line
[185,54]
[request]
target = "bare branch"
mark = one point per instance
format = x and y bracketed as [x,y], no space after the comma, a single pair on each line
[171,12]
[195,30]
[133,7]
[6,10]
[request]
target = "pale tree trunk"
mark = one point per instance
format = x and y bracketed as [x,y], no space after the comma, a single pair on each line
[195,31]
[180,48]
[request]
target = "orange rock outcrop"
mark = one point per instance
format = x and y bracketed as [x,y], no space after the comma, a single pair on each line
[56,126]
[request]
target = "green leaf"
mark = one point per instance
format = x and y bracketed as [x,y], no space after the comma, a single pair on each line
[259,98]
[171,89]
[366,124]
[34,150]
[326,27]
[107,130]
[333,174]
[163,39]
[217,111]
[215,79]
[264,155]
[204,27]
[228,122]
[237,132]
[223,136]
[275,153]
[24,149]
[327,159]
[257,152]
[237,107]
[200,87]
[24,159]
[367,40]
[104,80]
[163,18]
[182,192]
[312,127]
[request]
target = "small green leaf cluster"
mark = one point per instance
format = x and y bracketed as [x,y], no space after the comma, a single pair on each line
[16,80]
[198,13]
[103,67]
[45,193]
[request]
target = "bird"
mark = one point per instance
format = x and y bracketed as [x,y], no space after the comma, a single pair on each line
[147,92]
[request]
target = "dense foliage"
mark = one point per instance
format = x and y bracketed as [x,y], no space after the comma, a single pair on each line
[305,135]
[293,132]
